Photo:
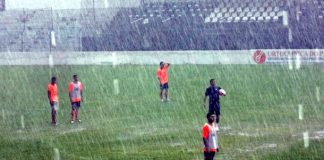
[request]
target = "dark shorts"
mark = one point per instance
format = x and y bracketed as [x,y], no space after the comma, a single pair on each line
[164,86]
[209,155]
[75,105]
[214,108]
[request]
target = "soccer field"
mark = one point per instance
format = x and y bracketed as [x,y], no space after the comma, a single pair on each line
[260,114]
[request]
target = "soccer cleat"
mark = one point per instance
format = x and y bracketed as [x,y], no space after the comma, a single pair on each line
[72,122]
[79,120]
[162,100]
[168,100]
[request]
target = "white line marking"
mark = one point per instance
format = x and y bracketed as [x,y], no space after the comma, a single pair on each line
[56,154]
[22,119]
[306,139]
[318,94]
[300,112]
[116,86]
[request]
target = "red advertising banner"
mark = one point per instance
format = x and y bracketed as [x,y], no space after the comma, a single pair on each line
[285,56]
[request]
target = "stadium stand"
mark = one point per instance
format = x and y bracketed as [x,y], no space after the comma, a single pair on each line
[224,24]
[168,25]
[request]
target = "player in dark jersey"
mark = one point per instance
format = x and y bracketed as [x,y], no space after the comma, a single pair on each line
[213,92]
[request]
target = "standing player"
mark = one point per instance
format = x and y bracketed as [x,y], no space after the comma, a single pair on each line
[162,75]
[209,135]
[75,94]
[53,99]
[213,92]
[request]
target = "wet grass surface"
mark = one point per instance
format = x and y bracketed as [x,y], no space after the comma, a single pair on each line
[259,114]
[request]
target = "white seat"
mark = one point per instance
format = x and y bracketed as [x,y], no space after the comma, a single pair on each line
[272,14]
[269,9]
[260,19]
[224,10]
[253,18]
[231,10]
[219,15]
[237,19]
[212,14]
[214,20]
[279,14]
[249,14]
[229,19]
[246,9]
[275,18]
[257,14]
[254,9]
[242,14]
[245,19]
[276,9]
[264,14]
[239,9]
[208,19]
[216,10]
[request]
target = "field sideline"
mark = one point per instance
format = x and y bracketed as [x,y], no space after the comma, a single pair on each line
[260,113]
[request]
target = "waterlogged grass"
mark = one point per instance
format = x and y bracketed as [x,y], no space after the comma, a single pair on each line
[259,114]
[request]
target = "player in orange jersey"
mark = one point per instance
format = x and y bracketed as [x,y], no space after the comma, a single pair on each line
[209,135]
[76,96]
[53,98]
[162,75]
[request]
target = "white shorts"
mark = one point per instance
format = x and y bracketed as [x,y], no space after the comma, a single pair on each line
[55,105]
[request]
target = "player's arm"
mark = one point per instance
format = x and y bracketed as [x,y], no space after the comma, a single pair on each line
[205,134]
[158,76]
[49,96]
[206,144]
[205,98]
[70,96]
[81,92]
[70,92]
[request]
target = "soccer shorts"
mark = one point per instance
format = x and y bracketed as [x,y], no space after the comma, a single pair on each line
[209,155]
[214,107]
[164,86]
[75,105]
[55,105]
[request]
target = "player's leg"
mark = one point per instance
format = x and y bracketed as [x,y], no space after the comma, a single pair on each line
[211,108]
[73,111]
[166,87]
[78,105]
[212,155]
[218,114]
[161,92]
[208,155]
[53,114]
